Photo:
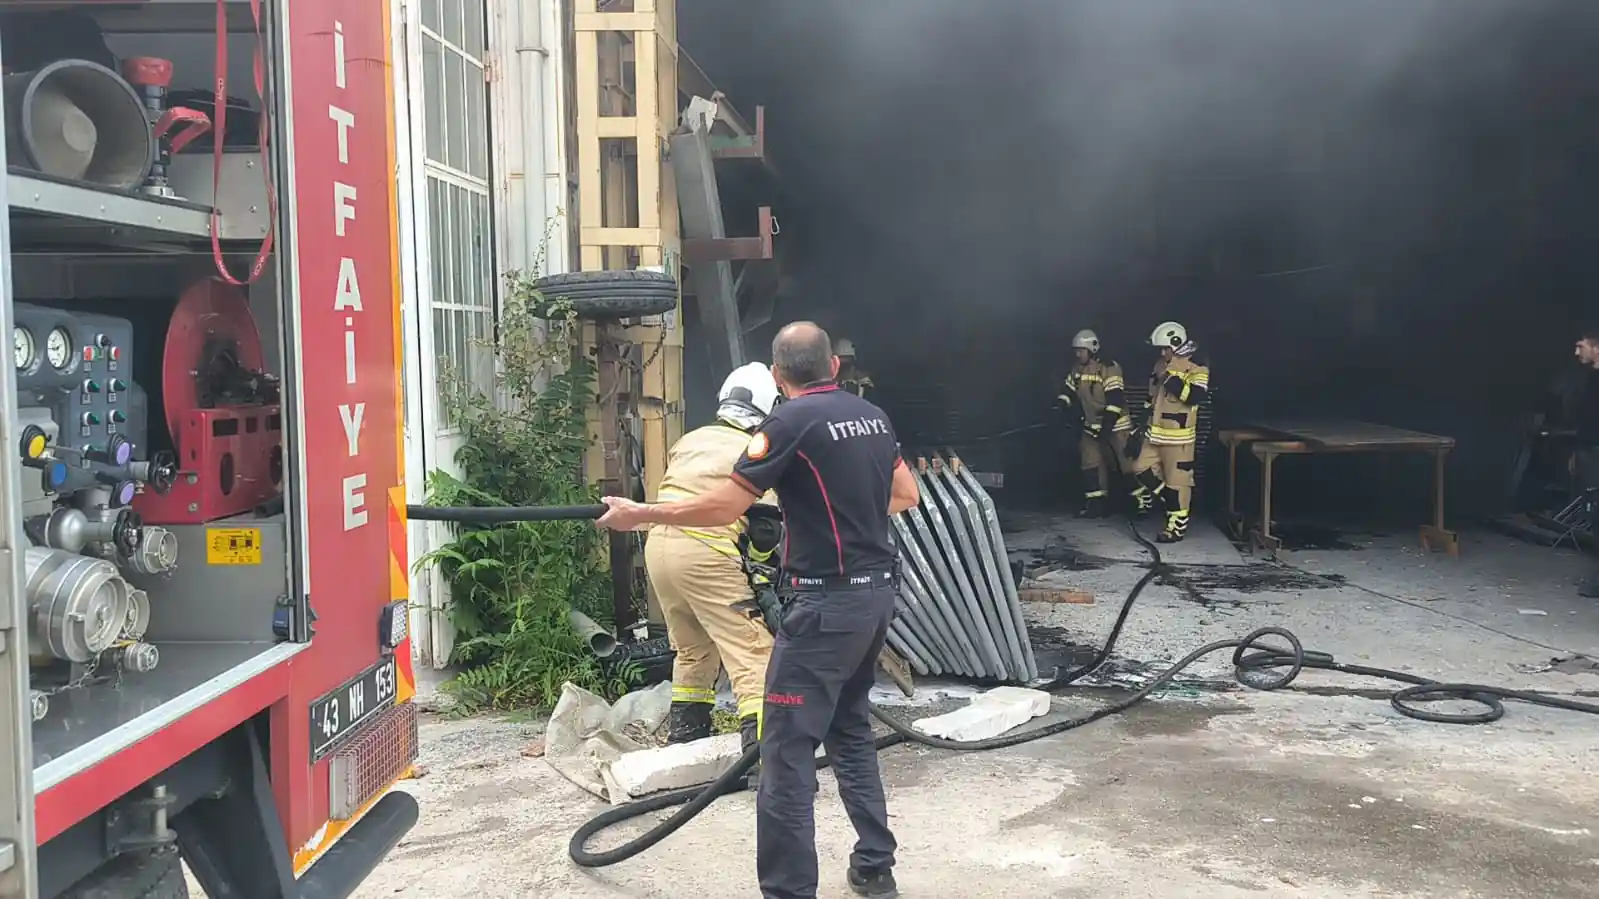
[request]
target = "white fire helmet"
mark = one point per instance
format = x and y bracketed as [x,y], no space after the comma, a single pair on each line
[844,347]
[1086,340]
[1168,336]
[747,396]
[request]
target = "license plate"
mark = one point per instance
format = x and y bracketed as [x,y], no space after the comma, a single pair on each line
[341,712]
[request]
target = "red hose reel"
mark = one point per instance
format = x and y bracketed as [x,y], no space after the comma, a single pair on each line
[221,408]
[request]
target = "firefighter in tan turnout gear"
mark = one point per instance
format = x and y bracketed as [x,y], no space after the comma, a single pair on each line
[1162,450]
[1096,389]
[851,377]
[698,574]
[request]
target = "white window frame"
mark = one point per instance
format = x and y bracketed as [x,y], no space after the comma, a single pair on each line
[479,318]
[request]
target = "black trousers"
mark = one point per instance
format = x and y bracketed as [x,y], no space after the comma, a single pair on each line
[817,687]
[1587,465]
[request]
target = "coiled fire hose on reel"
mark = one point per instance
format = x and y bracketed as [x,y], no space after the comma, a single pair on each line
[1257,665]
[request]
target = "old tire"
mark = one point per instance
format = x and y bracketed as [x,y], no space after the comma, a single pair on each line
[153,874]
[602,295]
[654,658]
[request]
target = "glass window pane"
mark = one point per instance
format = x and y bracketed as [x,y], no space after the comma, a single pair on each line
[438,246]
[462,258]
[431,14]
[485,227]
[463,341]
[472,28]
[485,354]
[441,340]
[471,252]
[433,100]
[455,103]
[452,20]
[477,129]
[485,254]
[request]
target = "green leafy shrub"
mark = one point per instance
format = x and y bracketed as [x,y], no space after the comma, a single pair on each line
[513,585]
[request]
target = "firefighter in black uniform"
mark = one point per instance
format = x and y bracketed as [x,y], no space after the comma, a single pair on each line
[834,463]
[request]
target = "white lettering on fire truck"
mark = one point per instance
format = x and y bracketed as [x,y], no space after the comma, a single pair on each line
[345,120]
[343,206]
[338,54]
[347,296]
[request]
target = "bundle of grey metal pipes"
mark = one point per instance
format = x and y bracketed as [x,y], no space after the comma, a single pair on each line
[958,609]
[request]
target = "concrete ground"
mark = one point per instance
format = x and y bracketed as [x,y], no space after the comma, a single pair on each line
[1207,791]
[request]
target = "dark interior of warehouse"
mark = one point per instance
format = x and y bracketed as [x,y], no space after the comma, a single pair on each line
[1368,209]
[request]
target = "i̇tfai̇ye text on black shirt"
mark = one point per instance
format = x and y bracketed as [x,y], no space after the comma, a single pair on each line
[830,457]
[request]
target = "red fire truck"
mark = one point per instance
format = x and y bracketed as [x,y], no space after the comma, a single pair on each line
[204,647]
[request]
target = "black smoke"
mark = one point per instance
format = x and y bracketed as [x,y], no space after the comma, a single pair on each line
[1369,209]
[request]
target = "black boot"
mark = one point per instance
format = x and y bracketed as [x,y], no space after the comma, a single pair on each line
[689,721]
[749,736]
[1094,507]
[873,884]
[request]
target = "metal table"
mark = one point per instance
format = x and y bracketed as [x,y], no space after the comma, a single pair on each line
[1271,438]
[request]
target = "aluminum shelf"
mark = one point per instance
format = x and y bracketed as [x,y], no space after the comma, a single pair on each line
[176,17]
[48,209]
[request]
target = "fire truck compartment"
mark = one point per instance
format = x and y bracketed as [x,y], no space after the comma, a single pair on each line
[159,573]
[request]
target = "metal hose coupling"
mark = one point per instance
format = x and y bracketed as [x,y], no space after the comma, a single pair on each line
[139,658]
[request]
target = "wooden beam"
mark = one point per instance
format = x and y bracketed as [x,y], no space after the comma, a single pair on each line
[621,237]
[614,126]
[613,21]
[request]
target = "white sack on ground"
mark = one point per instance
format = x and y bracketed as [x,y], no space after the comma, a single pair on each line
[586,734]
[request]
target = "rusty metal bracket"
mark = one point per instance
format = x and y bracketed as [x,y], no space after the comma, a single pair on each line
[698,250]
[750,146]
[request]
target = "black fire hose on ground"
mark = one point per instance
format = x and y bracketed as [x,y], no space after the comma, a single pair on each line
[1255,665]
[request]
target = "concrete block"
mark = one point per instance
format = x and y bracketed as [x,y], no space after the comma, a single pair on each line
[989,715]
[636,774]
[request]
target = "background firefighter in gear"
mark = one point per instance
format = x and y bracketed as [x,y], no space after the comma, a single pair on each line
[699,575]
[1096,389]
[850,376]
[1162,450]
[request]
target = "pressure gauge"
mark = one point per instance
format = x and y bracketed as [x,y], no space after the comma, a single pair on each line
[23,351]
[58,349]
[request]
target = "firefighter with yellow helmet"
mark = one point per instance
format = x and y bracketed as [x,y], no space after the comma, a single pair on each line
[698,573]
[1097,389]
[1162,452]
[851,377]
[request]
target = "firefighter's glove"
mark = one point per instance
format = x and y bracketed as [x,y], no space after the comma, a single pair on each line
[1135,443]
[1107,422]
[771,608]
[1175,386]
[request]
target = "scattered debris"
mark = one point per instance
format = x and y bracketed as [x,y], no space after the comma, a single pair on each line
[534,750]
[1572,664]
[1532,612]
[1056,596]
